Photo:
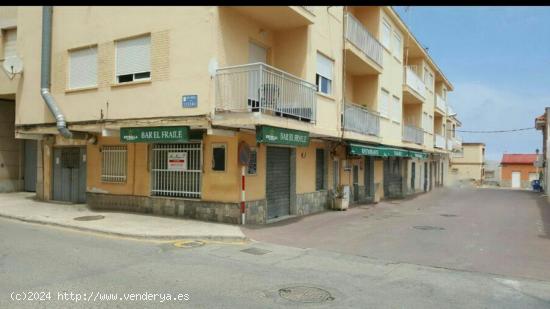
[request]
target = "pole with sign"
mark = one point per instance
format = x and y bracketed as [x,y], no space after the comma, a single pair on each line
[244,157]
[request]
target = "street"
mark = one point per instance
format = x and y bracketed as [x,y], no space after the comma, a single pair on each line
[383,271]
[495,231]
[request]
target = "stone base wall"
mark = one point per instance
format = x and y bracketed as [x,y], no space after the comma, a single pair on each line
[508,183]
[312,202]
[201,210]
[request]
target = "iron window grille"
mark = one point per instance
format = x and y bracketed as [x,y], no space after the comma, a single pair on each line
[114,164]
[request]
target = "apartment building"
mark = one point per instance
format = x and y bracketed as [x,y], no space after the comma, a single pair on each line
[468,164]
[170,115]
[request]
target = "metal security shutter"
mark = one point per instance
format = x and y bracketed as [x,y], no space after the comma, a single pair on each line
[319,169]
[392,178]
[83,68]
[69,174]
[278,182]
[369,177]
[133,56]
[10,42]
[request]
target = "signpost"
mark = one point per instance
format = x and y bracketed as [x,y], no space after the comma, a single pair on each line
[154,135]
[177,161]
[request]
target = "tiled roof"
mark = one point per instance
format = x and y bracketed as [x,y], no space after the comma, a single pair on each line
[523,158]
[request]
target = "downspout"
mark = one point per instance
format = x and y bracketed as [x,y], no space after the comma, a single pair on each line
[45,72]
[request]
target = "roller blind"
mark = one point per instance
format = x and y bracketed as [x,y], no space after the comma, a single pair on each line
[324,66]
[133,56]
[10,41]
[83,68]
[384,103]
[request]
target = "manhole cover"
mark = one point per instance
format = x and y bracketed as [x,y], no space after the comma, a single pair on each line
[189,244]
[305,294]
[255,251]
[448,215]
[89,218]
[428,228]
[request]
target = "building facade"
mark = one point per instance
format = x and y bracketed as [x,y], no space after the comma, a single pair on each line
[518,170]
[169,116]
[468,164]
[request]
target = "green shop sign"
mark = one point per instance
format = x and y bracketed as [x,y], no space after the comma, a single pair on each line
[154,134]
[281,136]
[364,150]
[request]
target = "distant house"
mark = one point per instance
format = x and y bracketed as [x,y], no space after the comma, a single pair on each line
[468,164]
[518,170]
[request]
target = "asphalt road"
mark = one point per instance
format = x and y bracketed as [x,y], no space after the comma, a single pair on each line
[39,260]
[495,231]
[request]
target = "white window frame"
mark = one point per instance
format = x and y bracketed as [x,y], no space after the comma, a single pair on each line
[133,75]
[84,67]
[114,163]
[386,36]
[384,106]
[324,71]
[397,45]
[9,47]
[396,109]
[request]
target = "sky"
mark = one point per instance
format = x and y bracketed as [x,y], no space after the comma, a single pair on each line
[498,60]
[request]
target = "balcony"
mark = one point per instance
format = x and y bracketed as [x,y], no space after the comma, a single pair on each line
[279,17]
[364,54]
[454,143]
[439,141]
[414,90]
[413,134]
[260,88]
[440,105]
[450,111]
[359,119]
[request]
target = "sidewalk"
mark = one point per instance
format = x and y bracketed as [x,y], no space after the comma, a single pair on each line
[22,206]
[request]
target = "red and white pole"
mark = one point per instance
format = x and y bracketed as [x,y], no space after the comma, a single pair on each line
[243,216]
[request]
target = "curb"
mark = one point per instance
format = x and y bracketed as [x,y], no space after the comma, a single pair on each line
[135,236]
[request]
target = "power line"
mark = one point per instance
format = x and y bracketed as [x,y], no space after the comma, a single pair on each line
[496,131]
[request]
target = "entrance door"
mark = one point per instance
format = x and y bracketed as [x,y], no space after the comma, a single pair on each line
[393,179]
[278,182]
[256,53]
[425,176]
[355,183]
[413,176]
[516,179]
[30,165]
[369,177]
[69,174]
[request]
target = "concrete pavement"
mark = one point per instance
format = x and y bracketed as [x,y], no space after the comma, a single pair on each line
[22,206]
[39,258]
[503,232]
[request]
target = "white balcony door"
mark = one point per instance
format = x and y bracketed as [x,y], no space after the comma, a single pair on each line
[256,53]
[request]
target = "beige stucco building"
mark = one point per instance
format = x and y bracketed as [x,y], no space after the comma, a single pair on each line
[468,164]
[164,114]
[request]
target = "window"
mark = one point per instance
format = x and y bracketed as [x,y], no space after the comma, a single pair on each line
[251,168]
[10,42]
[425,122]
[386,34]
[114,164]
[396,109]
[319,169]
[384,103]
[431,124]
[397,45]
[176,180]
[218,157]
[323,79]
[83,68]
[133,59]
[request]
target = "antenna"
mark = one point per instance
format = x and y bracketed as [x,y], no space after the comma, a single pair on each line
[12,65]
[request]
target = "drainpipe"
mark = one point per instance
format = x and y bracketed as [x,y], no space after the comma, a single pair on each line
[46,70]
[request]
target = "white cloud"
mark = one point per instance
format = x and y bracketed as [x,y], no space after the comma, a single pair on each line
[482,107]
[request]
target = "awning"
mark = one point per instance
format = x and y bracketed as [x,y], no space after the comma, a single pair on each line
[381,151]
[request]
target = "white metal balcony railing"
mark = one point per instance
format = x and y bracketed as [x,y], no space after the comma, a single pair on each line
[439,141]
[457,143]
[414,81]
[258,87]
[359,119]
[450,110]
[359,36]
[440,103]
[413,134]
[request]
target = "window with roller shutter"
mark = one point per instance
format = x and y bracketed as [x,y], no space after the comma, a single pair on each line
[83,68]
[133,59]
